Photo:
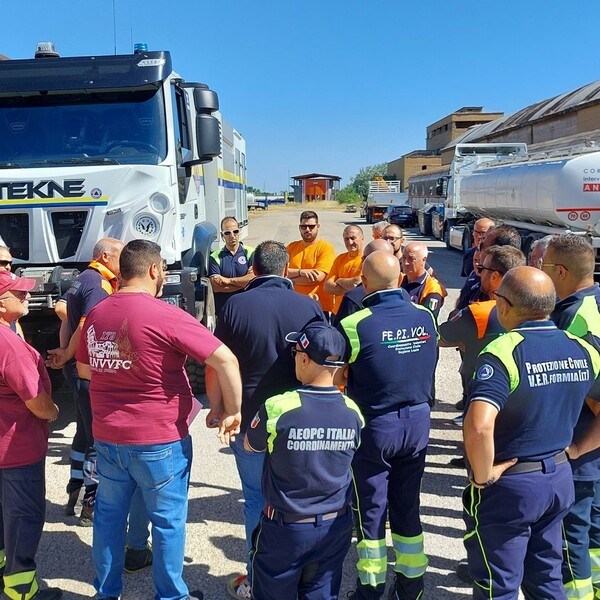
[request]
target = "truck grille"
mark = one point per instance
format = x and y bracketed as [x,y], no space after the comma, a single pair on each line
[68,228]
[14,229]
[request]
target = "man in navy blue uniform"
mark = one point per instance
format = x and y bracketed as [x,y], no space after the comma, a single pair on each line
[94,284]
[569,261]
[480,229]
[387,343]
[230,268]
[524,400]
[253,325]
[310,436]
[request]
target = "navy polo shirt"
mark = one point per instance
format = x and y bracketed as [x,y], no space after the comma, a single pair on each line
[311,435]
[579,314]
[537,377]
[471,292]
[352,302]
[474,334]
[85,292]
[254,325]
[392,353]
[222,262]
[467,266]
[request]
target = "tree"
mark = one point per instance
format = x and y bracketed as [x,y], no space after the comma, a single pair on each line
[348,195]
[360,182]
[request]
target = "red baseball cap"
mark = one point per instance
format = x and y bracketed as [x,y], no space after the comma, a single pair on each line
[10,282]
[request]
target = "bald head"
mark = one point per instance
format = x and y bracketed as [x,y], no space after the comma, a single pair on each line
[107,252]
[376,246]
[414,258]
[531,293]
[381,271]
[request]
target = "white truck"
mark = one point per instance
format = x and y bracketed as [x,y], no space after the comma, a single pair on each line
[553,192]
[383,195]
[112,146]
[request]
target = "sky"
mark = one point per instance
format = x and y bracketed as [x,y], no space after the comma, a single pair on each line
[332,86]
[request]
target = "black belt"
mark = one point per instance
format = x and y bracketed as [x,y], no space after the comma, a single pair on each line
[275,515]
[536,465]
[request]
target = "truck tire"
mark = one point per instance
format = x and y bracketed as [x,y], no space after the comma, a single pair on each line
[197,375]
[446,237]
[466,240]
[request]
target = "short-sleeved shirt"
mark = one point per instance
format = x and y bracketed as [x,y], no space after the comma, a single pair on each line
[318,255]
[311,435]
[474,327]
[223,262]
[253,326]
[426,291]
[579,314]
[23,376]
[392,353]
[89,288]
[344,267]
[537,377]
[136,347]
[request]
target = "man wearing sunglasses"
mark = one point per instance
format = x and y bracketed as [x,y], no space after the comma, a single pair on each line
[230,268]
[311,260]
[26,407]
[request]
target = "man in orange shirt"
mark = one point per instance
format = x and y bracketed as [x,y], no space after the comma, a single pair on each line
[311,260]
[346,269]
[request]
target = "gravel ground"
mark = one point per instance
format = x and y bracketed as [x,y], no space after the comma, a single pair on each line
[215,543]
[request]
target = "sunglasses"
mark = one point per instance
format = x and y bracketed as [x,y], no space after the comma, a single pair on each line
[553,265]
[5,263]
[389,238]
[20,296]
[295,351]
[503,298]
[480,269]
[231,232]
[311,227]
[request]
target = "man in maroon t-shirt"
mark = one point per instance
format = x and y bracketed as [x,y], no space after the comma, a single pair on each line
[133,348]
[25,409]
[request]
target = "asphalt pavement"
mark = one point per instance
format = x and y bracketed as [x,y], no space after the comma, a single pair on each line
[215,533]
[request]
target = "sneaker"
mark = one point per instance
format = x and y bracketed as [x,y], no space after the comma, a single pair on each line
[197,595]
[47,594]
[86,519]
[460,405]
[462,570]
[238,587]
[458,461]
[458,421]
[137,559]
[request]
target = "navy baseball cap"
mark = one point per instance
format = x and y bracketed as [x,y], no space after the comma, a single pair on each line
[320,341]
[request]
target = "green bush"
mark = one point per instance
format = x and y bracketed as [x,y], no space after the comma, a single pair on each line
[349,195]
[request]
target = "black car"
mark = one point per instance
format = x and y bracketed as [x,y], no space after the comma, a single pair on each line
[401,215]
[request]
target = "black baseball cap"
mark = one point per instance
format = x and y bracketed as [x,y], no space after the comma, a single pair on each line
[320,341]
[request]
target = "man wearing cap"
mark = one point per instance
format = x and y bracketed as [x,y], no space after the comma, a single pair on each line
[388,342]
[266,367]
[310,436]
[230,268]
[26,408]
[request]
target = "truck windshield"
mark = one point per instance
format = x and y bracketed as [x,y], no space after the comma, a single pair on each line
[123,127]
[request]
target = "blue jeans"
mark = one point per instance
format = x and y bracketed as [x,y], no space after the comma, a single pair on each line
[137,527]
[162,474]
[250,469]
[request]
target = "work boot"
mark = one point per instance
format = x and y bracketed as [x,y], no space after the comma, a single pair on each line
[86,519]
[137,559]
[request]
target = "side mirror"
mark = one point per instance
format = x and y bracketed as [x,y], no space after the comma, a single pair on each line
[208,137]
[205,100]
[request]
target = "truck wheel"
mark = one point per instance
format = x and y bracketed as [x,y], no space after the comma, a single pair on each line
[446,238]
[197,375]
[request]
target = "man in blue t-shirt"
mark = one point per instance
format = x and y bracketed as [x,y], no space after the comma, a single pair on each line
[230,268]
[310,436]
[388,342]
[523,403]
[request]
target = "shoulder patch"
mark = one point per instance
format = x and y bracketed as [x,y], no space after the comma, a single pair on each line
[254,423]
[485,372]
[242,260]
